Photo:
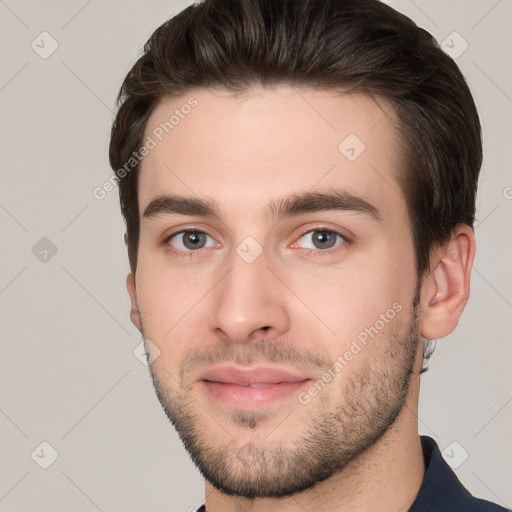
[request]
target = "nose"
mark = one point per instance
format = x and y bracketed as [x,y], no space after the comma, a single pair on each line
[249,303]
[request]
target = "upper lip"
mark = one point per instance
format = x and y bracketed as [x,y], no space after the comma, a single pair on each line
[246,377]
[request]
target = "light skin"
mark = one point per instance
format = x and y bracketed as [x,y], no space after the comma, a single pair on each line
[299,304]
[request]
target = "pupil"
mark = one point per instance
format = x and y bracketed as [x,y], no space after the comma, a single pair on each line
[194,240]
[324,239]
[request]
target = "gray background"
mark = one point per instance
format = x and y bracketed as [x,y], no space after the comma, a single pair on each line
[69,376]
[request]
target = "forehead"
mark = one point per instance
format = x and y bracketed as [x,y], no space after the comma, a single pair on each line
[242,150]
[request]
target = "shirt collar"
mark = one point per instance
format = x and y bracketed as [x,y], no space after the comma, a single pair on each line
[441,489]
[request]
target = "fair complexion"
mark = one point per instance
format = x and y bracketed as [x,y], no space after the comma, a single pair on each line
[293,297]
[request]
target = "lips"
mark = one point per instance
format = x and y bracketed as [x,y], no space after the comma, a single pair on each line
[253,377]
[251,388]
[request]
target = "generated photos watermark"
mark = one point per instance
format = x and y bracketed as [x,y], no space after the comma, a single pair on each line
[357,345]
[149,143]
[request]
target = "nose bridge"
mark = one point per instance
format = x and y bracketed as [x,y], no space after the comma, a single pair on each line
[249,299]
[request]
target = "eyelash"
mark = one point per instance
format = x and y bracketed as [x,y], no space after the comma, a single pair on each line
[310,252]
[315,253]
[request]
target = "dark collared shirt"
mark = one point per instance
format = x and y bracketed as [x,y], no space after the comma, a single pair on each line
[441,490]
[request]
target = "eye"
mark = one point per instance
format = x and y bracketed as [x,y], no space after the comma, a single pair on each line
[191,240]
[321,239]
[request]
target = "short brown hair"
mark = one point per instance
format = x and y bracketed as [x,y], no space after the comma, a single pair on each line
[348,45]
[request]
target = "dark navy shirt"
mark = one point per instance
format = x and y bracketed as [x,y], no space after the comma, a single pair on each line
[441,490]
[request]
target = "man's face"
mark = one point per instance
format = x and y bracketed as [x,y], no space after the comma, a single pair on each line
[284,323]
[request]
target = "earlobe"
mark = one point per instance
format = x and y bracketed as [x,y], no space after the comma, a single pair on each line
[134,311]
[446,288]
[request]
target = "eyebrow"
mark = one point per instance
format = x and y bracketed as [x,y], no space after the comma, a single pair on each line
[294,204]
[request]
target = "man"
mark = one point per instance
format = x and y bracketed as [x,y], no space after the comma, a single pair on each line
[298,182]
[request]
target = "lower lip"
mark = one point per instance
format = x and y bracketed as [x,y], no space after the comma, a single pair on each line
[249,397]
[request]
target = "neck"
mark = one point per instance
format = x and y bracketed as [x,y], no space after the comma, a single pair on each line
[386,478]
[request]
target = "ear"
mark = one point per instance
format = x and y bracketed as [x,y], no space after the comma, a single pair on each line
[134,312]
[446,288]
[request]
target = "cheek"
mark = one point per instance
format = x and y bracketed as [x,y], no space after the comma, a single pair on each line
[166,300]
[343,306]
[347,301]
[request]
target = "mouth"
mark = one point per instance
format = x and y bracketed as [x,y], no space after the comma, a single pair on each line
[243,388]
[252,396]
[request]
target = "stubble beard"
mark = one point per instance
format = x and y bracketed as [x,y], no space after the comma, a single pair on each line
[334,436]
